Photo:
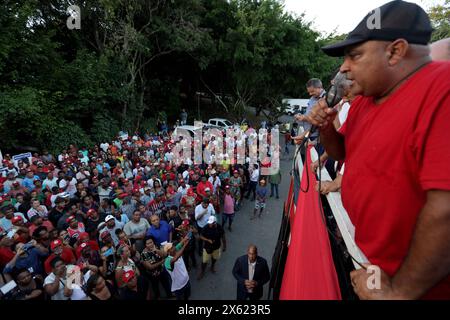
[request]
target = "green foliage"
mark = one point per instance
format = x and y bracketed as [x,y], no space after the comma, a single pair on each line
[440,18]
[133,61]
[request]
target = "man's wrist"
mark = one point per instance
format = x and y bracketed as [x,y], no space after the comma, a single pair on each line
[401,291]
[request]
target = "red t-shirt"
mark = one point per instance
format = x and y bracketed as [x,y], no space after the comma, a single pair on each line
[67,256]
[6,255]
[395,152]
[46,224]
[202,186]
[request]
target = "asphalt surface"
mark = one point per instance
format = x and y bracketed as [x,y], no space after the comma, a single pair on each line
[263,232]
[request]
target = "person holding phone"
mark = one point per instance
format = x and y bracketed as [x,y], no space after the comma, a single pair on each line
[29,287]
[152,259]
[107,267]
[28,256]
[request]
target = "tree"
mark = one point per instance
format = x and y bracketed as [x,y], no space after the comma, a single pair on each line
[134,59]
[440,19]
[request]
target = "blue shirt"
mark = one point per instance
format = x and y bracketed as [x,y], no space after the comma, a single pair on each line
[29,183]
[32,260]
[100,167]
[261,192]
[162,233]
[311,103]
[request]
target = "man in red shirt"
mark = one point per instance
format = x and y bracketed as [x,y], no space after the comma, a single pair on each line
[396,185]
[75,227]
[6,254]
[37,221]
[202,186]
[58,250]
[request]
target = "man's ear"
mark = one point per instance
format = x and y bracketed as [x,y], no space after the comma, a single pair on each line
[396,51]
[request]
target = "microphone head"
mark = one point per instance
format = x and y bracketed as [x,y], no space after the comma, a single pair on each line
[337,90]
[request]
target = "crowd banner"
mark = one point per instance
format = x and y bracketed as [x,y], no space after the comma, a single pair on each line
[309,273]
[22,156]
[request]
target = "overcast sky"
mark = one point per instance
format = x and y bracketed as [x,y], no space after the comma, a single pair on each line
[342,15]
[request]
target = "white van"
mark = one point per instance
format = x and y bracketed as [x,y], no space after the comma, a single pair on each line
[295,106]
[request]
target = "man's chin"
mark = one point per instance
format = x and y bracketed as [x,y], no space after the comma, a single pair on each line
[356,90]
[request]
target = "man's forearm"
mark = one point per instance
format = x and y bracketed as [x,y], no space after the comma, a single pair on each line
[428,261]
[333,143]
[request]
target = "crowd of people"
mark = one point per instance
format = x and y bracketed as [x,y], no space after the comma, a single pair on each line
[118,221]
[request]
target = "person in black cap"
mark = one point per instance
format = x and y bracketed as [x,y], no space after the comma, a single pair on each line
[402,209]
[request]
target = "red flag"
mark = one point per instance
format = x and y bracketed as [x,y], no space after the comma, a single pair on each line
[309,273]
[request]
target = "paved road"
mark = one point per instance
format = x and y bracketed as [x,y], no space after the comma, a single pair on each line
[262,232]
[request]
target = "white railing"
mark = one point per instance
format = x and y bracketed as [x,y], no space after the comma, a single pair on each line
[343,221]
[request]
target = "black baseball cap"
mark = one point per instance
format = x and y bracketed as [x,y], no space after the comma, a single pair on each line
[393,20]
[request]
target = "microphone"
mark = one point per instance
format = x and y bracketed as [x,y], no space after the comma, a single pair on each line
[334,94]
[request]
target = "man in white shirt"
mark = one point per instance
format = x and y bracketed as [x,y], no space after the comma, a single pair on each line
[183,188]
[62,286]
[215,181]
[69,185]
[83,176]
[174,264]
[202,213]
[254,177]
[50,182]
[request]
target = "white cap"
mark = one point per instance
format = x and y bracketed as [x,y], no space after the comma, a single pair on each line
[207,189]
[63,195]
[108,217]
[212,219]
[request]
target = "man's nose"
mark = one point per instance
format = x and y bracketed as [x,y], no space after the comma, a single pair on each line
[345,67]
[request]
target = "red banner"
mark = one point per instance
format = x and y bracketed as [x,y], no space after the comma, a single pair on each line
[309,273]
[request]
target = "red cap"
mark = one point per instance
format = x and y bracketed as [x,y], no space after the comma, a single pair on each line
[16,219]
[55,243]
[84,245]
[227,187]
[172,191]
[136,190]
[190,192]
[70,219]
[16,183]
[114,184]
[127,276]
[181,180]
[123,195]
[90,212]
[235,171]
[126,180]
[185,223]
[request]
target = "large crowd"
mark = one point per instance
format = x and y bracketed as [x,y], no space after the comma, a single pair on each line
[118,221]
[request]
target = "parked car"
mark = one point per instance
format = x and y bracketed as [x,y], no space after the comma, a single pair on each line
[190,129]
[294,106]
[219,123]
